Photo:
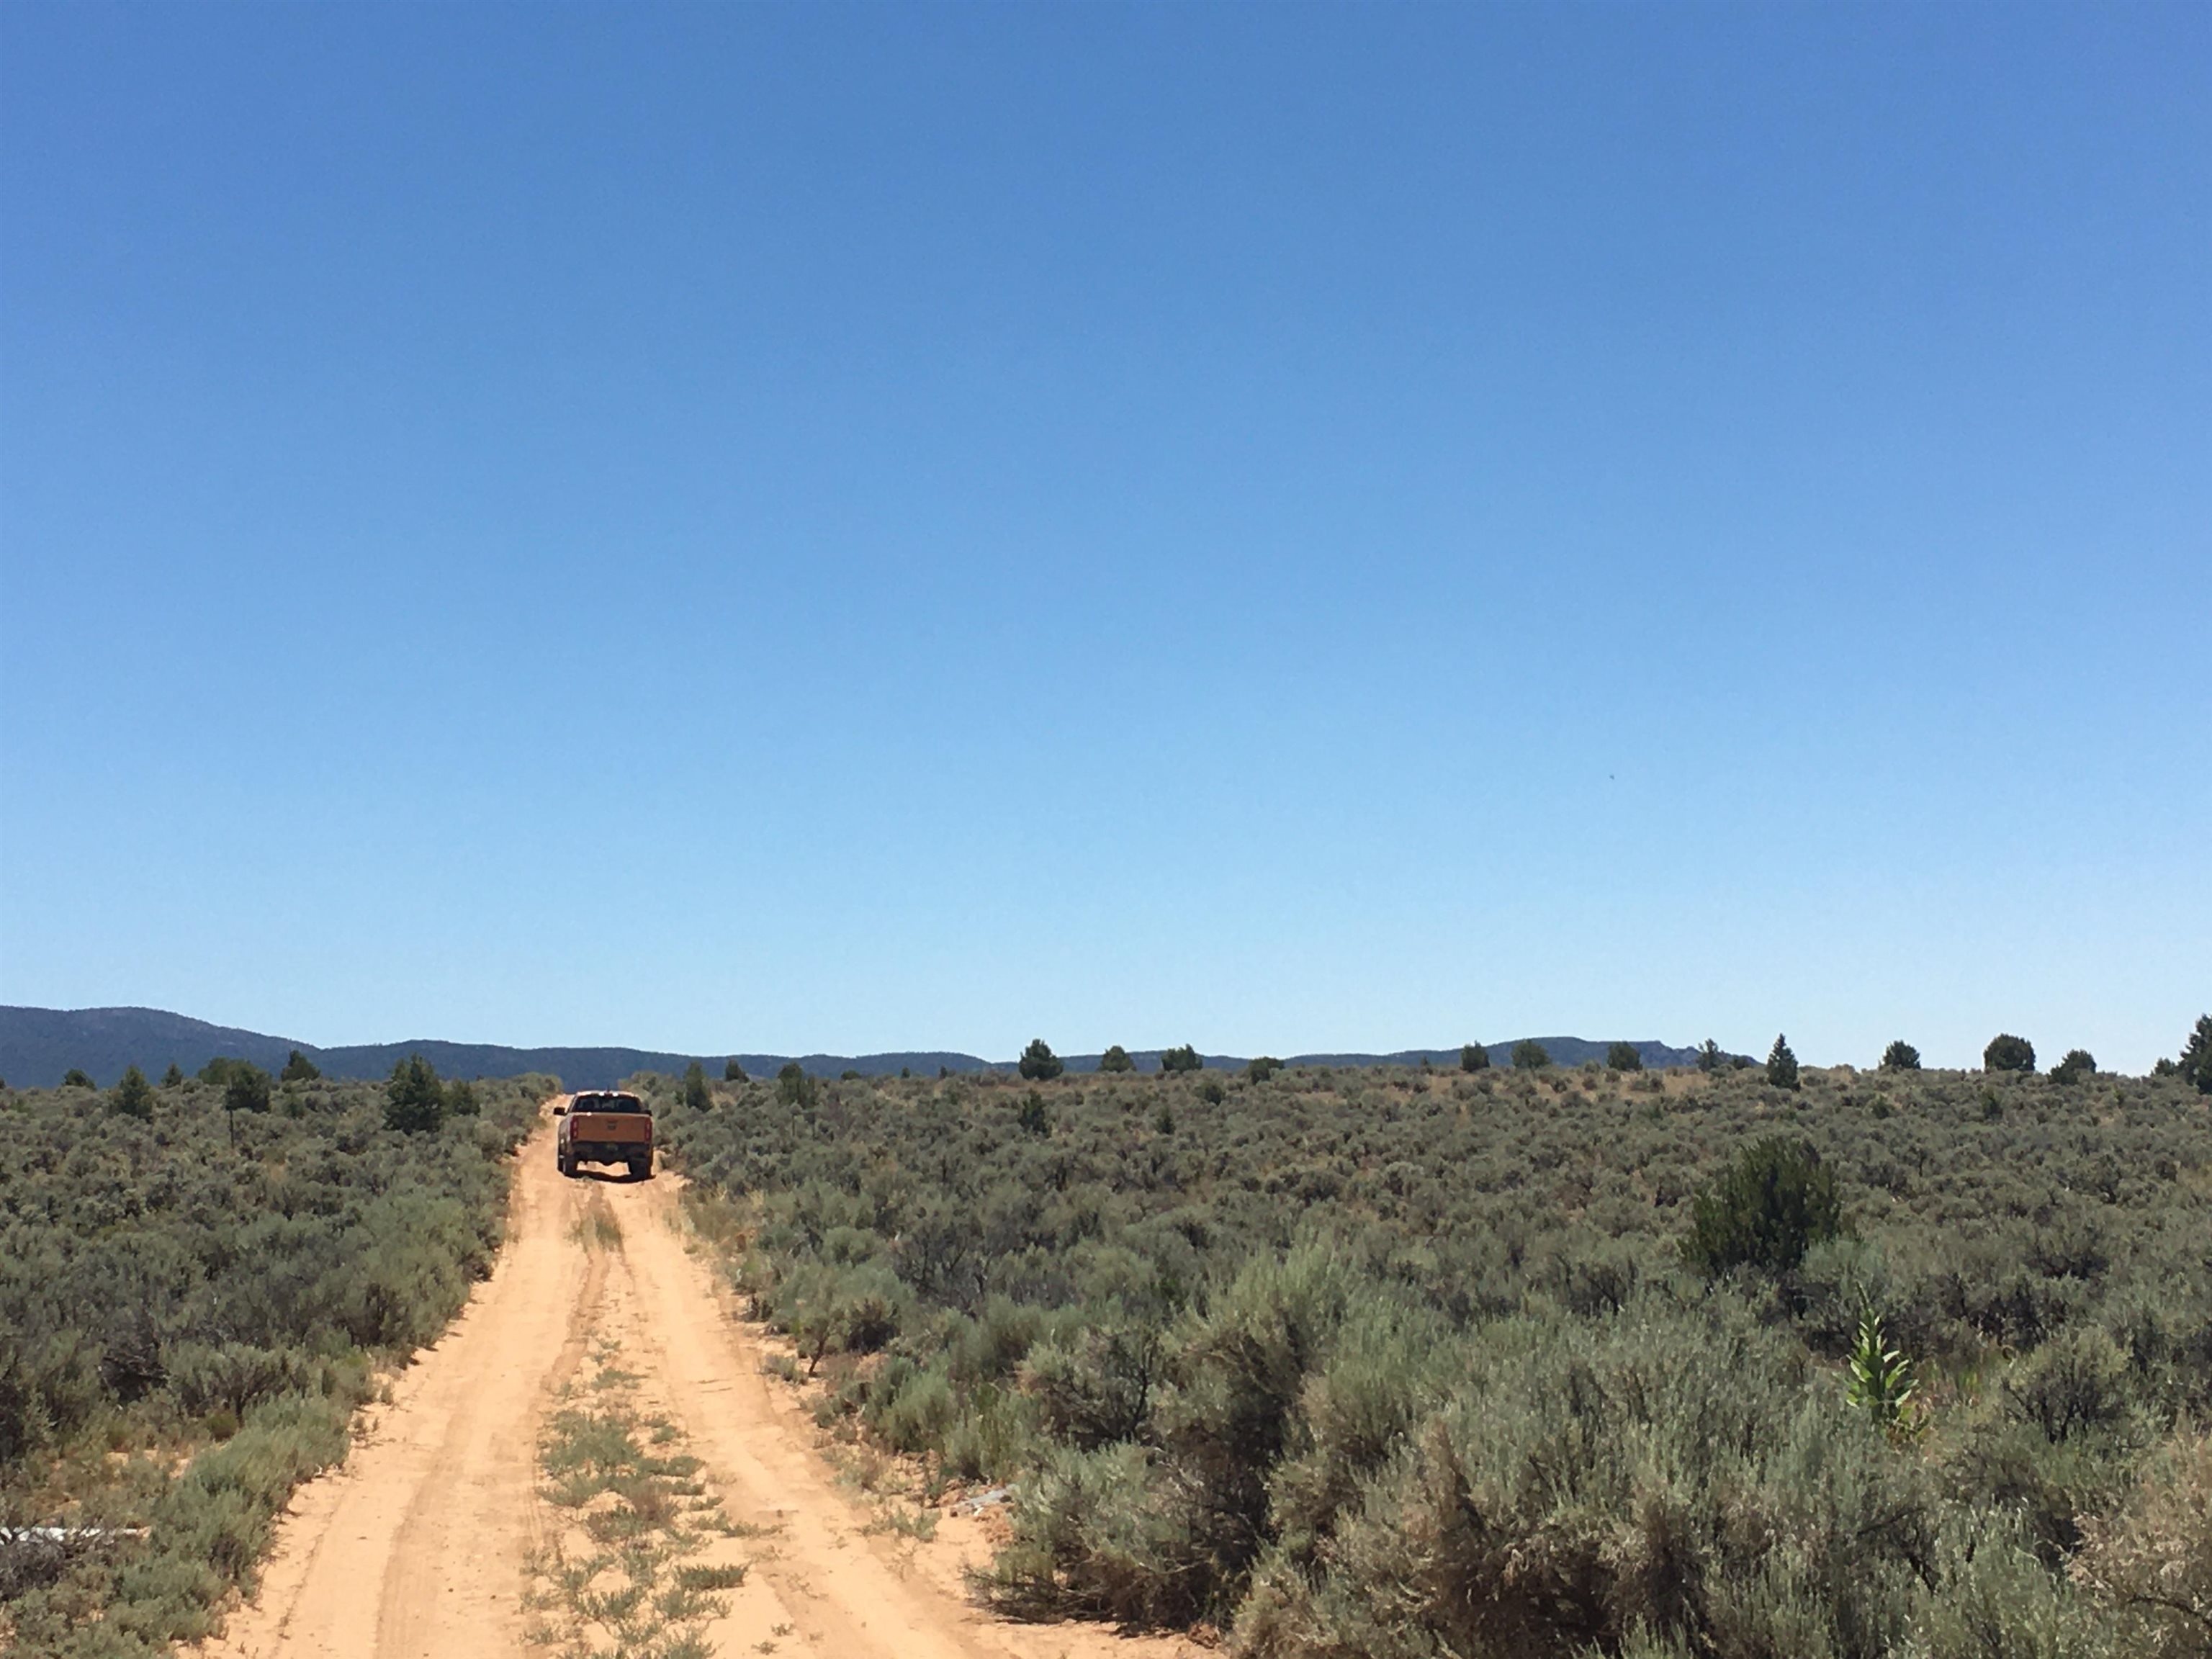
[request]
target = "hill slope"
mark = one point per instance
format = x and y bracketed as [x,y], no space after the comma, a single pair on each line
[39,1046]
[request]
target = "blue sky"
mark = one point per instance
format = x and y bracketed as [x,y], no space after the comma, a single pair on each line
[1282,528]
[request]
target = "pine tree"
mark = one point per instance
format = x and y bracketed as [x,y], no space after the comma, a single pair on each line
[1530,1055]
[1039,1064]
[173,1076]
[1623,1057]
[1900,1056]
[1473,1057]
[697,1097]
[2008,1053]
[1184,1059]
[300,1069]
[731,1072]
[1782,1065]
[1116,1059]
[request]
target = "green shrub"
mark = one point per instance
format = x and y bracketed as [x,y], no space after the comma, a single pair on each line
[1529,1055]
[2006,1053]
[1473,1057]
[1900,1056]
[793,1087]
[1262,1068]
[1038,1063]
[173,1076]
[1710,1060]
[298,1068]
[1623,1057]
[1116,1059]
[1185,1059]
[1777,1199]
[76,1078]
[733,1072]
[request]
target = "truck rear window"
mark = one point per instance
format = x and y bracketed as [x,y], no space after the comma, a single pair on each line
[609,1103]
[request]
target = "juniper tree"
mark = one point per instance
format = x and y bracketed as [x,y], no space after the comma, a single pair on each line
[1900,1056]
[134,1096]
[1623,1057]
[697,1096]
[1530,1055]
[731,1072]
[1038,1062]
[2008,1053]
[1116,1059]
[1473,1057]
[2078,1064]
[77,1078]
[414,1100]
[1185,1059]
[2195,1067]
[247,1089]
[173,1076]
[1775,1201]
[298,1069]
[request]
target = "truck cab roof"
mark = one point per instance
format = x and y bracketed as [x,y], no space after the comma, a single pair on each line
[607,1100]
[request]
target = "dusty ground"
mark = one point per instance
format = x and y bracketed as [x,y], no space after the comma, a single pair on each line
[422,1546]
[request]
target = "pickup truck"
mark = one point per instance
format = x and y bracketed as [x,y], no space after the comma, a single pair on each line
[604,1127]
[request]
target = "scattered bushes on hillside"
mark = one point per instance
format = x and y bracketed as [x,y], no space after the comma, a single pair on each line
[209,1288]
[1394,1363]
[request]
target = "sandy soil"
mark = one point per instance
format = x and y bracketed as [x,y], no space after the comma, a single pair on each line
[419,1546]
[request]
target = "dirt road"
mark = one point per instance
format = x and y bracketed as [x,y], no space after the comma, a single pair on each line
[424,1545]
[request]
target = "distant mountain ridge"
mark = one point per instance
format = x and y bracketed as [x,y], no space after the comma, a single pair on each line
[39,1046]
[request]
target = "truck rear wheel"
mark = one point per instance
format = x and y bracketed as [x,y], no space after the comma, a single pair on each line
[641,1168]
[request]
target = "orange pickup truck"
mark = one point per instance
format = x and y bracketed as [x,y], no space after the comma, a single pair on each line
[604,1127]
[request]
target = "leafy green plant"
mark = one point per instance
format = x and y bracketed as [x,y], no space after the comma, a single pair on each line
[1881,1386]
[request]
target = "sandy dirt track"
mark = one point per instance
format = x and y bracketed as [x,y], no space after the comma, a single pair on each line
[419,1546]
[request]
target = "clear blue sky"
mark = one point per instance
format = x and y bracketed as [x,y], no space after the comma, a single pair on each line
[1282,528]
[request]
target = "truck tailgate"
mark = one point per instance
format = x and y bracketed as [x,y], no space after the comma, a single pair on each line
[611,1126]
